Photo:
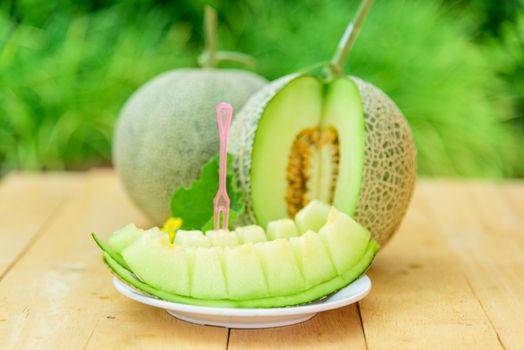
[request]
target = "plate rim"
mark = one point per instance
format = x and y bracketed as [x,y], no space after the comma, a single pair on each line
[363,283]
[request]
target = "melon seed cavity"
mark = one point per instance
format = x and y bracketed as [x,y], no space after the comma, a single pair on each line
[315,155]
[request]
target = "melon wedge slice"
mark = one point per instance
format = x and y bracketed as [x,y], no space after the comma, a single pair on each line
[251,234]
[283,228]
[222,238]
[191,239]
[122,238]
[279,272]
[159,263]
[306,296]
[312,217]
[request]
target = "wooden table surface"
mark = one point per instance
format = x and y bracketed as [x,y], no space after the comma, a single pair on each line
[452,278]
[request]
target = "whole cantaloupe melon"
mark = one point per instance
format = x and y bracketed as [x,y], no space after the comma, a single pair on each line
[167,131]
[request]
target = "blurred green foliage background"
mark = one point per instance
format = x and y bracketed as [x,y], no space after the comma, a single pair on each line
[455,68]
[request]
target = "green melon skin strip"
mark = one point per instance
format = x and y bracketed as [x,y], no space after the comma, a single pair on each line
[303,297]
[114,254]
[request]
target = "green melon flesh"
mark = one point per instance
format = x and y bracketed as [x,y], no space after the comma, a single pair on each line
[313,259]
[244,274]
[250,234]
[304,103]
[344,239]
[269,273]
[283,228]
[314,293]
[160,264]
[208,280]
[222,238]
[281,270]
[312,217]
[122,238]
[191,239]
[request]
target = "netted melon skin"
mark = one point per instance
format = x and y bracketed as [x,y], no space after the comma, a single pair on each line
[389,167]
[389,164]
[167,130]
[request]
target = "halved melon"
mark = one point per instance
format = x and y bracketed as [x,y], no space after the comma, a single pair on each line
[341,141]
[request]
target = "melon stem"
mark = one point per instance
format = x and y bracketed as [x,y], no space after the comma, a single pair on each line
[208,57]
[211,57]
[336,64]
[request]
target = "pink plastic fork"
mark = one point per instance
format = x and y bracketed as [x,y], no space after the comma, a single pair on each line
[221,201]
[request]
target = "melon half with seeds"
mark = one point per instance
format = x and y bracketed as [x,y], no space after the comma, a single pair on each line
[327,136]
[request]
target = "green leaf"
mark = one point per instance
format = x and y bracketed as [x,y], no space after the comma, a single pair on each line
[194,204]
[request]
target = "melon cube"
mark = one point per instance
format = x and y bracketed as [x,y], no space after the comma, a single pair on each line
[345,239]
[280,266]
[222,238]
[124,237]
[244,274]
[191,239]
[283,228]
[159,263]
[251,234]
[207,277]
[312,217]
[313,259]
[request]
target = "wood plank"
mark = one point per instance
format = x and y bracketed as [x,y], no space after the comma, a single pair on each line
[484,228]
[60,296]
[420,297]
[336,329]
[27,201]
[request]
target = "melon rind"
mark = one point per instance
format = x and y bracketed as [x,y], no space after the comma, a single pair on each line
[166,132]
[389,170]
[314,293]
[389,165]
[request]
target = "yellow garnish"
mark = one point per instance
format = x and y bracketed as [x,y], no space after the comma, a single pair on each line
[171,226]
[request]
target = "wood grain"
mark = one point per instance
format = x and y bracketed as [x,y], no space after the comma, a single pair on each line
[59,294]
[453,277]
[420,297]
[337,329]
[27,201]
[485,228]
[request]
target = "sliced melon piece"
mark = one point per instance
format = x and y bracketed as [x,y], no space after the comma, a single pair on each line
[312,217]
[191,239]
[313,259]
[251,234]
[283,228]
[344,238]
[159,263]
[222,238]
[122,238]
[282,273]
[107,249]
[244,275]
[207,275]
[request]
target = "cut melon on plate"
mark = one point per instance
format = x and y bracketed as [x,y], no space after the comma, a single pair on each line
[279,272]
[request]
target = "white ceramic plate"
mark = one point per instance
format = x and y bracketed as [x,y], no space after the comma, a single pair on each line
[251,318]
